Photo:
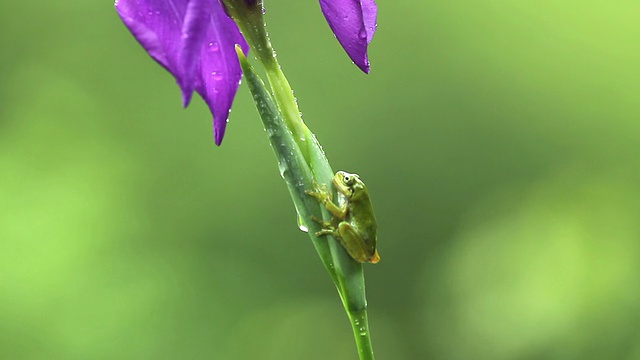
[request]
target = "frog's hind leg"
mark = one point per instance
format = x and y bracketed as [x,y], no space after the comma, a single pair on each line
[327,227]
[327,232]
[354,243]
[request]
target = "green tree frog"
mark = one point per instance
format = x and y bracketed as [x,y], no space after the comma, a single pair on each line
[354,224]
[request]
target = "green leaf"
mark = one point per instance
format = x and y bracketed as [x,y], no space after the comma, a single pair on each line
[293,168]
[301,174]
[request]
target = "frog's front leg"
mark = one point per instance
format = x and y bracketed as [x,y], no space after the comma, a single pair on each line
[323,195]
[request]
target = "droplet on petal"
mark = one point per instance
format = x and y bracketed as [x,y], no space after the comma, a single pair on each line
[213,47]
[217,75]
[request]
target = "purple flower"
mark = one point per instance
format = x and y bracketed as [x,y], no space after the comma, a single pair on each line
[195,41]
[354,23]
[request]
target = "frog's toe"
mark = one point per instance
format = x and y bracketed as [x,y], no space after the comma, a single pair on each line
[316,219]
[325,232]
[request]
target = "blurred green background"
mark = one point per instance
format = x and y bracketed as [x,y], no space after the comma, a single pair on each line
[499,140]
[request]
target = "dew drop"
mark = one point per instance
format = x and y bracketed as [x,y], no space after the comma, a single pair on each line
[281,165]
[217,75]
[363,331]
[362,34]
[213,47]
[301,224]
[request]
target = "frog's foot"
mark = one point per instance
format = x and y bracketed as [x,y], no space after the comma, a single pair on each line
[327,227]
[321,193]
[326,232]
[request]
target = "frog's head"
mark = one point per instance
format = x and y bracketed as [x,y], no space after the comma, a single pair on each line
[348,184]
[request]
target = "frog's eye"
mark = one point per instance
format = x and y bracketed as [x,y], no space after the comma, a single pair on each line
[349,180]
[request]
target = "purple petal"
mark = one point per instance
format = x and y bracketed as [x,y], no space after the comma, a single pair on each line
[195,41]
[156,25]
[220,70]
[194,29]
[354,23]
[370,15]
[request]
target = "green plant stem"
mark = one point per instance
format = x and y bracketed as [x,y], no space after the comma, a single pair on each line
[360,325]
[250,19]
[303,164]
[346,273]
